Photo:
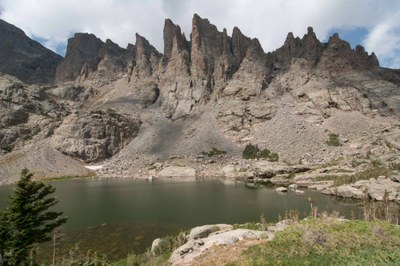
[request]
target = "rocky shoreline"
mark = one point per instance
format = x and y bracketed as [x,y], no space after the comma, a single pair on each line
[382,184]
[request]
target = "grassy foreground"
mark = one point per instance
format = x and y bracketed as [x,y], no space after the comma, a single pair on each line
[312,241]
[329,242]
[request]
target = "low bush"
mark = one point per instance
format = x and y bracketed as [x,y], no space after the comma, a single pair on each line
[253,152]
[333,140]
[213,152]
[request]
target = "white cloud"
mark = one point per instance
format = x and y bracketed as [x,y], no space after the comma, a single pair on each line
[384,39]
[269,21]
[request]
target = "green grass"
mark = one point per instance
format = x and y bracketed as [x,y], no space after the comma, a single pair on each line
[372,172]
[67,177]
[328,242]
[213,152]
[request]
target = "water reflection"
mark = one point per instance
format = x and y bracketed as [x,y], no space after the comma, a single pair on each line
[118,217]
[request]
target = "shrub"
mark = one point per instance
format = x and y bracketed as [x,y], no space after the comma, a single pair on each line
[250,151]
[334,140]
[253,152]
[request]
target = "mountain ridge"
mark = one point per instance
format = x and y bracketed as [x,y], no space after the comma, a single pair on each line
[24,58]
[128,108]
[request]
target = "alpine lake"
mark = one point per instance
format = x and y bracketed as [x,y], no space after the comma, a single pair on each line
[118,217]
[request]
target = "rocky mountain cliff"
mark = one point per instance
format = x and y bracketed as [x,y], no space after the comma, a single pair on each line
[135,106]
[24,58]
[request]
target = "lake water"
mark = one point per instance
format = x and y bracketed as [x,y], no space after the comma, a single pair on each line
[120,217]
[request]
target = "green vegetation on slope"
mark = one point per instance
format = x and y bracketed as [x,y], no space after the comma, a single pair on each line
[333,140]
[372,172]
[253,152]
[213,152]
[329,242]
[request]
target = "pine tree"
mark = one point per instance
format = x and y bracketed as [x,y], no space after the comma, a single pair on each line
[27,220]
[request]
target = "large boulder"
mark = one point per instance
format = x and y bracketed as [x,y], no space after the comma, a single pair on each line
[185,254]
[378,189]
[347,191]
[206,230]
[94,136]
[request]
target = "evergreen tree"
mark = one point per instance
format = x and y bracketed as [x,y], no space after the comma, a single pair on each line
[27,220]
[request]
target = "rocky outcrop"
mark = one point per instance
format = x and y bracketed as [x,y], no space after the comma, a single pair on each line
[202,239]
[176,86]
[142,72]
[309,48]
[25,58]
[213,65]
[196,70]
[88,57]
[339,56]
[95,136]
[27,114]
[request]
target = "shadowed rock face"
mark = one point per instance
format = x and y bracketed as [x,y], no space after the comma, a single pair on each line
[24,58]
[309,47]
[338,54]
[82,49]
[88,57]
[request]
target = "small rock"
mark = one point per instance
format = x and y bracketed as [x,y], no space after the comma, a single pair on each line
[281,189]
[395,178]
[155,244]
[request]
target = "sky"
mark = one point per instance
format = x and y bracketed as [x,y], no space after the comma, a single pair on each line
[375,24]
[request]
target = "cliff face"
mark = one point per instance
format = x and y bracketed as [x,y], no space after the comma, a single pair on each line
[88,57]
[211,65]
[24,58]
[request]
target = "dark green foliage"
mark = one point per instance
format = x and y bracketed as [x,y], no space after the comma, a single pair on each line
[213,152]
[27,220]
[250,151]
[334,140]
[253,152]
